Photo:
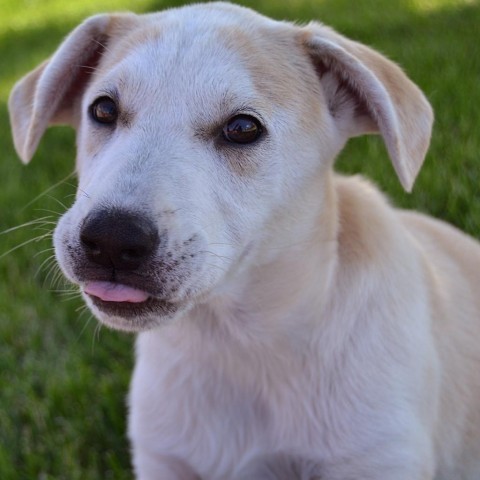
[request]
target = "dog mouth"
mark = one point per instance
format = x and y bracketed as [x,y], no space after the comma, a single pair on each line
[120,300]
[111,292]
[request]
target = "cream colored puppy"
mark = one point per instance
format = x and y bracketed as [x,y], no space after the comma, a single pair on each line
[292,324]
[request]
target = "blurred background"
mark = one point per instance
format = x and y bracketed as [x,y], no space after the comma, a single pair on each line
[63,379]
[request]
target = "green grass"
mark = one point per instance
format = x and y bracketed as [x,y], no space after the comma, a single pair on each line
[63,381]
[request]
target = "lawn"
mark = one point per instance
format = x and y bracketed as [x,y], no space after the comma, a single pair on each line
[63,379]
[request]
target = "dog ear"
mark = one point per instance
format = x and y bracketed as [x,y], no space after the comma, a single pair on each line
[367,93]
[51,94]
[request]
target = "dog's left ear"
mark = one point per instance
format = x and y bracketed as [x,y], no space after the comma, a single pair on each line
[367,93]
[52,93]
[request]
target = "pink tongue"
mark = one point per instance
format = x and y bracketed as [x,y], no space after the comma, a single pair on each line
[114,292]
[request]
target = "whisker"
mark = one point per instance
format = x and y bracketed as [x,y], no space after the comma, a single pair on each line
[54,212]
[73,185]
[69,296]
[67,288]
[26,224]
[47,263]
[57,277]
[41,252]
[59,202]
[48,231]
[87,67]
[50,226]
[83,309]
[221,257]
[51,277]
[26,242]
[96,335]
[48,190]
[103,46]
[84,193]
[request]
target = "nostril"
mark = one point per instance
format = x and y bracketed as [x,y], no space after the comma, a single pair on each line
[133,254]
[91,246]
[119,239]
[130,253]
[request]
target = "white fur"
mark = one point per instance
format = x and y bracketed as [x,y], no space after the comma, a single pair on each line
[320,333]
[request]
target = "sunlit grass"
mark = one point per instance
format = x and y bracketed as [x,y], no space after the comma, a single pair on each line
[435,5]
[27,14]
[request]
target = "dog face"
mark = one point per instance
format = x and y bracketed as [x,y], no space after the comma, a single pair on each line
[199,130]
[186,153]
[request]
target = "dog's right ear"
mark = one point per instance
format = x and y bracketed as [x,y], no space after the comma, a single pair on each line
[367,93]
[51,94]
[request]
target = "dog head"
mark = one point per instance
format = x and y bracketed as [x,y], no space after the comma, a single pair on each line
[199,130]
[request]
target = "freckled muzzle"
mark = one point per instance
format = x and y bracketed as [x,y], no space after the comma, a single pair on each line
[128,268]
[119,268]
[118,245]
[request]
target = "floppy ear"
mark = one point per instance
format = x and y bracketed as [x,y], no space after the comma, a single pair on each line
[52,92]
[368,93]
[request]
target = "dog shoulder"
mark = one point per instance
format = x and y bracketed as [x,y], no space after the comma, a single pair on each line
[368,228]
[452,256]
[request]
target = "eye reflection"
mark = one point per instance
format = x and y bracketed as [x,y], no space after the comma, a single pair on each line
[242,129]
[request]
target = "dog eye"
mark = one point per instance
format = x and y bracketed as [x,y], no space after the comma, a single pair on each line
[104,110]
[242,129]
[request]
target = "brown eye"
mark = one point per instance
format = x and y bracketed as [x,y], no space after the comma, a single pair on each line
[242,129]
[104,110]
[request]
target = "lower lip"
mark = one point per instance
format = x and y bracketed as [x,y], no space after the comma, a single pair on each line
[127,302]
[131,310]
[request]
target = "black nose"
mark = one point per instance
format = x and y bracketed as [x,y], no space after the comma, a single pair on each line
[119,239]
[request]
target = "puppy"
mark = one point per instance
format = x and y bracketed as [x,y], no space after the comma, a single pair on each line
[283,311]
